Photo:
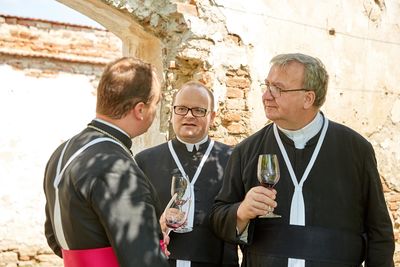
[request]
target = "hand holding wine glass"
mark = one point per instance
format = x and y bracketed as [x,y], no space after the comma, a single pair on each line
[268,175]
[175,217]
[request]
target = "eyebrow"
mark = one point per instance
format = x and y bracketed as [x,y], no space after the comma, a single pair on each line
[277,84]
[189,107]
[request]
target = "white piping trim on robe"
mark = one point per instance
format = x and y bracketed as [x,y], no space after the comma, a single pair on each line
[297,209]
[59,232]
[182,263]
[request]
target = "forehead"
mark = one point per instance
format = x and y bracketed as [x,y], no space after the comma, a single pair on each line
[192,96]
[290,72]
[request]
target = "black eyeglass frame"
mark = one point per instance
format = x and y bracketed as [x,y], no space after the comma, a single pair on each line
[206,111]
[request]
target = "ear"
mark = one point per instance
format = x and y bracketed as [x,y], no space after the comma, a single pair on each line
[212,117]
[138,111]
[309,98]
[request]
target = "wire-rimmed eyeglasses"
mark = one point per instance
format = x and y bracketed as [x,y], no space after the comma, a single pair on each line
[196,111]
[276,92]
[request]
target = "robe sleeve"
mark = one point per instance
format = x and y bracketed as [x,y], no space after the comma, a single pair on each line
[48,226]
[223,214]
[49,233]
[380,239]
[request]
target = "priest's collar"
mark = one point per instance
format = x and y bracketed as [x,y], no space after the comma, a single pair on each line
[112,130]
[111,125]
[190,146]
[302,136]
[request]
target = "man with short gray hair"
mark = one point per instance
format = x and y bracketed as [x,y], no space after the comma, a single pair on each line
[329,196]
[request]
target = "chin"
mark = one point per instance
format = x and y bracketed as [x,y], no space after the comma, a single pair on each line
[190,138]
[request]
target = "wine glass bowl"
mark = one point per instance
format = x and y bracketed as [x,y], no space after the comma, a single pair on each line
[174,216]
[268,175]
[177,210]
[180,186]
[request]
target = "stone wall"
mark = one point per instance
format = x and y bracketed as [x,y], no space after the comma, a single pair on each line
[227,44]
[214,41]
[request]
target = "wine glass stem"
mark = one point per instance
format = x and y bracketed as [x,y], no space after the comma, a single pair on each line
[168,231]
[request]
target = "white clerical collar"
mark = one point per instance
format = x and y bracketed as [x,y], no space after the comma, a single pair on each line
[301,137]
[190,146]
[112,125]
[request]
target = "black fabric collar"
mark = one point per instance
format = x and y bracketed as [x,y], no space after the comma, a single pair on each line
[114,132]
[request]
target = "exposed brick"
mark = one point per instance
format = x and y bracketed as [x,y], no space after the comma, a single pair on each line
[11,20]
[233,92]
[26,22]
[235,38]
[236,104]
[238,82]
[28,263]
[46,25]
[231,117]
[27,35]
[230,73]
[8,257]
[393,206]
[54,259]
[77,43]
[393,197]
[241,72]
[187,9]
[230,140]
[236,128]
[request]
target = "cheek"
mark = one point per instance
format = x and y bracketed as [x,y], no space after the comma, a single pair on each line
[205,125]
[175,123]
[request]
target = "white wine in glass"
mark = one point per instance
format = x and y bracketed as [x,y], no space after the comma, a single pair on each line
[268,175]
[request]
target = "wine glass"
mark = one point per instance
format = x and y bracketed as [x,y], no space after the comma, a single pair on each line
[177,210]
[268,175]
[175,216]
[180,185]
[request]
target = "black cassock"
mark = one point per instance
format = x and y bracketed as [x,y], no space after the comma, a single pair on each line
[346,218]
[105,200]
[201,246]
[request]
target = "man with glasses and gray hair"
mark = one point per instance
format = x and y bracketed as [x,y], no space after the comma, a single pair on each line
[203,160]
[329,196]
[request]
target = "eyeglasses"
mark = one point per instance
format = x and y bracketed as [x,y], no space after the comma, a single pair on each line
[276,92]
[196,112]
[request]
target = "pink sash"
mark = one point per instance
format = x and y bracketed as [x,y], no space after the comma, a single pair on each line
[98,257]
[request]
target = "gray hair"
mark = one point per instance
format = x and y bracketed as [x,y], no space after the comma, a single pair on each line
[315,75]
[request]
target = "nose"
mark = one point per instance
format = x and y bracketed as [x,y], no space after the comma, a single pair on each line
[267,95]
[189,114]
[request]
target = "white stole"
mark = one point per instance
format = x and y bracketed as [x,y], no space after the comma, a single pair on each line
[297,209]
[181,263]
[58,229]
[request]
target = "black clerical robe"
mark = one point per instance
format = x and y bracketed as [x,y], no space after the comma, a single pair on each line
[105,200]
[346,218]
[200,246]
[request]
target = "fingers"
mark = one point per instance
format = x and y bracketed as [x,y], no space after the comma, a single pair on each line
[164,246]
[163,224]
[263,191]
[258,201]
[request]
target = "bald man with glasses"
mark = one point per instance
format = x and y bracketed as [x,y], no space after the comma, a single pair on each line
[203,160]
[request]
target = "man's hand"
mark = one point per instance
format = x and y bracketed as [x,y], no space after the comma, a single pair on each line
[165,231]
[258,201]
